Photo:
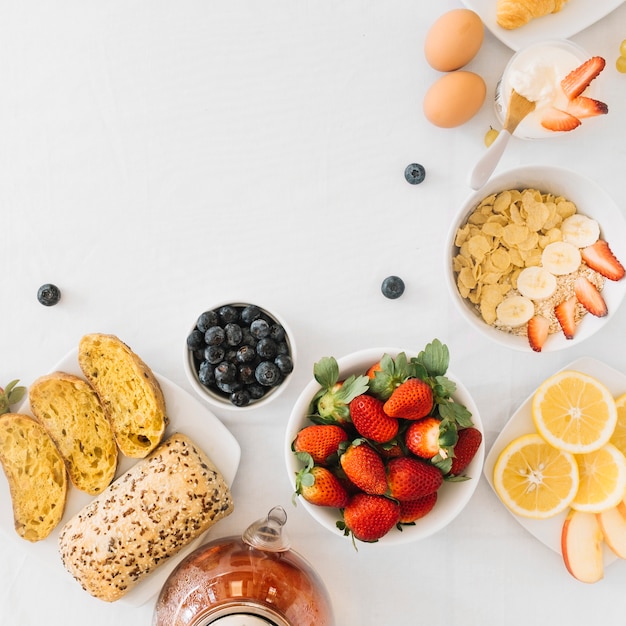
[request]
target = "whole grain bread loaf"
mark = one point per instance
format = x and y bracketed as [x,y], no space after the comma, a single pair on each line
[143,518]
[128,390]
[36,475]
[70,410]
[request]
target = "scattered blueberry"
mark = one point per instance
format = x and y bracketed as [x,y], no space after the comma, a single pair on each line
[239,352]
[415,173]
[48,294]
[392,287]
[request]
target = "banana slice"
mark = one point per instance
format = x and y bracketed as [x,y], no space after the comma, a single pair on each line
[579,230]
[560,258]
[514,311]
[536,283]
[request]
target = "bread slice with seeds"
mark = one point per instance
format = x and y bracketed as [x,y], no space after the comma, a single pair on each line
[129,391]
[36,475]
[70,410]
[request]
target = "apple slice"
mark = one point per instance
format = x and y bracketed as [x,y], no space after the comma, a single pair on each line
[581,545]
[613,526]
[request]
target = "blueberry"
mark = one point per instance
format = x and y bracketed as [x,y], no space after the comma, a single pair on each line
[214,354]
[206,375]
[250,313]
[266,348]
[225,372]
[206,320]
[228,313]
[246,374]
[246,354]
[247,339]
[415,173]
[277,332]
[234,334]
[195,340]
[284,364]
[260,328]
[214,336]
[256,391]
[267,374]
[240,397]
[392,287]
[48,294]
[282,348]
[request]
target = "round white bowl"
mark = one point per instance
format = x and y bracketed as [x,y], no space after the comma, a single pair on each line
[452,496]
[220,401]
[590,200]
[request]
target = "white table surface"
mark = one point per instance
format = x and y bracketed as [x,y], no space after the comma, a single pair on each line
[157,157]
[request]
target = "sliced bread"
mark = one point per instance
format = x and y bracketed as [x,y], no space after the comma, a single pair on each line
[129,391]
[70,410]
[36,475]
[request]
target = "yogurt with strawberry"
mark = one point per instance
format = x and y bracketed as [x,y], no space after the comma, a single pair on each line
[536,72]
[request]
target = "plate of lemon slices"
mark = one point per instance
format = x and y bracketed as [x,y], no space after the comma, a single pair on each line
[564,449]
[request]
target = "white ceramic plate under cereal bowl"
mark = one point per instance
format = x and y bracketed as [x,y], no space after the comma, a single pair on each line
[574,17]
[548,531]
[591,200]
[188,416]
[452,496]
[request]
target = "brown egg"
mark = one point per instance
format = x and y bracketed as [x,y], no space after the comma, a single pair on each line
[453,40]
[454,99]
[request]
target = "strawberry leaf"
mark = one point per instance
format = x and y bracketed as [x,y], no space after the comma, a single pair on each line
[435,357]
[326,372]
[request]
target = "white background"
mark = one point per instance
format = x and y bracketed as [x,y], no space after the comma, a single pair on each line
[159,157]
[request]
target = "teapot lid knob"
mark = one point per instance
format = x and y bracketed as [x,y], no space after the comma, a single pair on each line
[268,533]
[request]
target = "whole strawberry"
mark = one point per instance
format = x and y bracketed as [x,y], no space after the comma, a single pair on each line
[410,478]
[364,467]
[332,400]
[321,441]
[412,400]
[430,436]
[412,510]
[466,447]
[370,419]
[369,517]
[318,485]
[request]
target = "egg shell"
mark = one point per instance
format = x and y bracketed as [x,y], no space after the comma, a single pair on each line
[453,40]
[454,99]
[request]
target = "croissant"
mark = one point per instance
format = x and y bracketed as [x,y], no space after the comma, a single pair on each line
[512,14]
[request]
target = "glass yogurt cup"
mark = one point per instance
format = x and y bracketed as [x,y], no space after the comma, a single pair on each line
[536,72]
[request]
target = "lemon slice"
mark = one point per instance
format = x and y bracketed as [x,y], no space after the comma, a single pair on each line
[602,480]
[574,412]
[535,479]
[618,438]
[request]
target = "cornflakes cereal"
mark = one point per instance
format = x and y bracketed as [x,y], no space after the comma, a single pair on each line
[506,232]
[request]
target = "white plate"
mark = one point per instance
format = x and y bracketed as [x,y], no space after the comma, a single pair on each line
[575,16]
[188,416]
[549,531]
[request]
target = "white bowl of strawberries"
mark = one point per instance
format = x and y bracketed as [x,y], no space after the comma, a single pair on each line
[384,445]
[535,259]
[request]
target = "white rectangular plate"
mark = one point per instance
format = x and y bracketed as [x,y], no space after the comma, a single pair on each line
[187,416]
[575,16]
[549,531]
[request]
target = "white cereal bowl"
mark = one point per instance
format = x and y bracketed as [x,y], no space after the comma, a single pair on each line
[591,200]
[452,496]
[219,400]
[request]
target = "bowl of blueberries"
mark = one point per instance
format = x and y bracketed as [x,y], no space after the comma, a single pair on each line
[239,355]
